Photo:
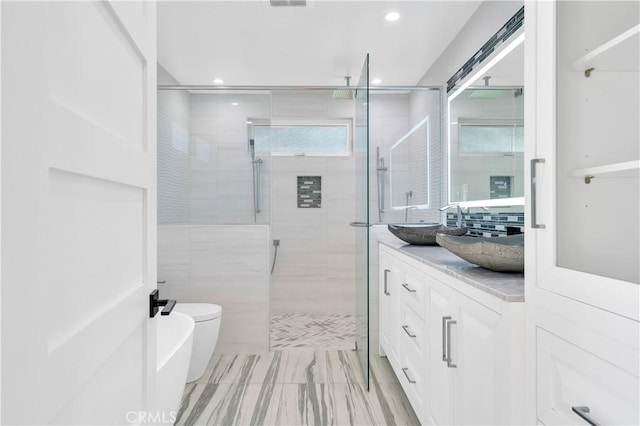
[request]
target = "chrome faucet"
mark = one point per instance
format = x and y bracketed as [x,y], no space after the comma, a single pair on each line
[460,220]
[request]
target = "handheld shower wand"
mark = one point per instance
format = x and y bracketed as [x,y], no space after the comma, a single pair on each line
[252,149]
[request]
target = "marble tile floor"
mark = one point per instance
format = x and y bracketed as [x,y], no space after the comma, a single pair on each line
[294,388]
[313,331]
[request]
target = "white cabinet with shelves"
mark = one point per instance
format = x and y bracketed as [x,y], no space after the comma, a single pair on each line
[627,169]
[587,127]
[583,277]
[614,54]
[459,359]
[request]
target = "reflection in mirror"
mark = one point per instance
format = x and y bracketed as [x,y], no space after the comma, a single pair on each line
[409,169]
[486,132]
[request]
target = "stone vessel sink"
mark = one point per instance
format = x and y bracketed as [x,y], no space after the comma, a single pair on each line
[423,234]
[501,254]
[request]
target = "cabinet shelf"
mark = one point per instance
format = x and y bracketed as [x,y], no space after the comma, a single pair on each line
[618,54]
[628,169]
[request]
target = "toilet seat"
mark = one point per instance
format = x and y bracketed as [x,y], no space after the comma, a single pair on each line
[200,311]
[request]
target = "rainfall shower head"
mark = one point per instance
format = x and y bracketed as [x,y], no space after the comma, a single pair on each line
[344,94]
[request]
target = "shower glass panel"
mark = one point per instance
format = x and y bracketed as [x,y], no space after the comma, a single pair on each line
[230,177]
[207,172]
[361,155]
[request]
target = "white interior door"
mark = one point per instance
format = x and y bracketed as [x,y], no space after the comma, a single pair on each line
[78,211]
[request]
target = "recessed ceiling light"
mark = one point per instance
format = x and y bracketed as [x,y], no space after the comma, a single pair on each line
[235,103]
[392,16]
[218,81]
[376,81]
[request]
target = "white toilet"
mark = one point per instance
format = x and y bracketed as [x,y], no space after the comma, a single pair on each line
[205,335]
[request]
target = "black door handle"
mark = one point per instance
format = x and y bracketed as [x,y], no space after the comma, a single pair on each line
[155,302]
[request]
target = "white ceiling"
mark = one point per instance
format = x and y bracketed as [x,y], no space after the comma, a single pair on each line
[253,43]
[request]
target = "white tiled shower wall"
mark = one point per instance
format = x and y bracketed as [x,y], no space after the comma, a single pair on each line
[315,268]
[222,264]
[174,184]
[221,168]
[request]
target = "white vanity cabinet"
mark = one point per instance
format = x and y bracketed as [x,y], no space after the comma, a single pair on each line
[459,352]
[583,277]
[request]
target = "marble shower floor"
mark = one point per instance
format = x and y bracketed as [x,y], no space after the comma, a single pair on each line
[294,388]
[313,331]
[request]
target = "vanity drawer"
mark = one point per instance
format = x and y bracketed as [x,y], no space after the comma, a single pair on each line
[413,289]
[412,329]
[412,377]
[571,378]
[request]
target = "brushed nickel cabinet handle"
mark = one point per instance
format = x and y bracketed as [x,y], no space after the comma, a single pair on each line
[408,288]
[584,413]
[404,370]
[386,282]
[444,337]
[449,363]
[534,221]
[406,330]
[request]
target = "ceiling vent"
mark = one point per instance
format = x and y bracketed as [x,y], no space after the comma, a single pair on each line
[277,3]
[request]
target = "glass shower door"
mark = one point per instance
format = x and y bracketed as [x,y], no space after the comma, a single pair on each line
[361,223]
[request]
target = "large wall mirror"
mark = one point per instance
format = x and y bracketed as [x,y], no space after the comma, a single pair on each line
[486,130]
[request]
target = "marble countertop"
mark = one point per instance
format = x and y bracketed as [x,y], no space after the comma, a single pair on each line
[508,286]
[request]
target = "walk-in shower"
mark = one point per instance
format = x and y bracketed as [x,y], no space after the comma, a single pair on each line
[248,175]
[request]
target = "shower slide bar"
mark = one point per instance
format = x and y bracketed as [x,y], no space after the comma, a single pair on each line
[255,165]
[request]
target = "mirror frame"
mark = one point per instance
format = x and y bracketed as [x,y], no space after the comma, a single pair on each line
[515,40]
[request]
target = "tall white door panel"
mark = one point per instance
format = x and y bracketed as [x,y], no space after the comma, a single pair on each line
[78,211]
